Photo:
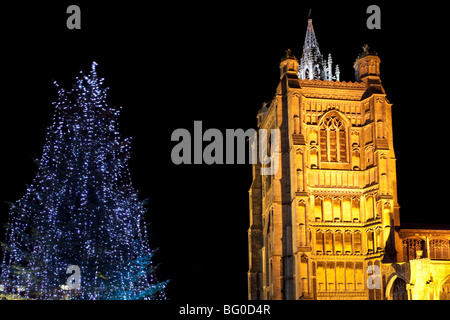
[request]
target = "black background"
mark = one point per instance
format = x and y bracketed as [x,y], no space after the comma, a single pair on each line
[169,64]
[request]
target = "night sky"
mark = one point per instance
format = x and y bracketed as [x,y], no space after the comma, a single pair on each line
[170,64]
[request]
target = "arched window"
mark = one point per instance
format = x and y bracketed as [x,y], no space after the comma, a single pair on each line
[348,242]
[316,73]
[329,242]
[410,248]
[357,242]
[338,242]
[350,276]
[318,209]
[330,274]
[370,242]
[320,242]
[355,209]
[333,140]
[439,249]
[321,277]
[307,74]
[378,240]
[369,208]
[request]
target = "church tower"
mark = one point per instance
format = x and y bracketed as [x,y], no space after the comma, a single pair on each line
[326,220]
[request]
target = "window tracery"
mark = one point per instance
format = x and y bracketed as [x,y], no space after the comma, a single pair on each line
[333,140]
[439,249]
[410,248]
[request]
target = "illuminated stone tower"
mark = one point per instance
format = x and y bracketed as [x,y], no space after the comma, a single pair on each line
[329,213]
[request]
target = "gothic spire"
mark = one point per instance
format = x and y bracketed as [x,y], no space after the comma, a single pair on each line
[310,39]
[312,65]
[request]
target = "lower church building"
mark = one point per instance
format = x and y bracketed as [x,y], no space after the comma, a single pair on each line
[326,225]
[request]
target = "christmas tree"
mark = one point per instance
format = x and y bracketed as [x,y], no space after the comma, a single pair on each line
[81,210]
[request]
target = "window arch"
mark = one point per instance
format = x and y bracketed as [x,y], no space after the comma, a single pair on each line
[410,248]
[320,243]
[329,243]
[399,291]
[348,242]
[444,293]
[439,249]
[333,140]
[317,72]
[357,242]
[338,242]
[370,241]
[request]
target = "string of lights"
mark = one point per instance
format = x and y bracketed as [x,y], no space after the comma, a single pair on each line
[81,209]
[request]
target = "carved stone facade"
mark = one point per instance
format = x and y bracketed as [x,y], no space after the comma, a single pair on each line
[327,223]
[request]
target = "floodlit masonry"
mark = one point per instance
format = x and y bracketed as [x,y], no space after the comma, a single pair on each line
[327,224]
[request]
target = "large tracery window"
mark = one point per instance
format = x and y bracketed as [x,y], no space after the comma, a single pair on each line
[439,249]
[333,140]
[410,248]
